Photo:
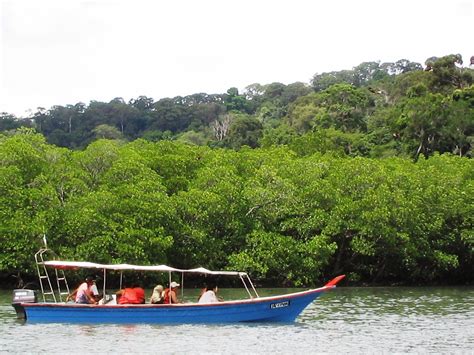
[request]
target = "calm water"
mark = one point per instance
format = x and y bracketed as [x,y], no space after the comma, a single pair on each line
[346,320]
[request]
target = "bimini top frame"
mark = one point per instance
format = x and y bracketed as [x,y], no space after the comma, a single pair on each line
[65,265]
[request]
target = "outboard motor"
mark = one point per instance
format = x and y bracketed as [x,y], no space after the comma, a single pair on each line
[23,296]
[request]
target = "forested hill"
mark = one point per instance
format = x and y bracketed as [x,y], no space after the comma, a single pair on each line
[373,110]
[321,180]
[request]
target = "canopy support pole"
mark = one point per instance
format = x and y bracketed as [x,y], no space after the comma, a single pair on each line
[245,285]
[253,287]
[182,286]
[169,287]
[121,278]
[103,287]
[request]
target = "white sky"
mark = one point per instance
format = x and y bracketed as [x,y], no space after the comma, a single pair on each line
[70,51]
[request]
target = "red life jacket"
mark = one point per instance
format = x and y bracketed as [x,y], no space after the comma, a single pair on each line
[166,299]
[128,296]
[140,294]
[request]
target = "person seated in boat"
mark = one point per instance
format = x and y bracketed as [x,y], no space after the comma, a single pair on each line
[210,296]
[170,293]
[83,294]
[158,295]
[95,292]
[127,295]
[139,293]
[201,292]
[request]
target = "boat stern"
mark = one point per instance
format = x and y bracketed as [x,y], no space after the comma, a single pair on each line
[21,296]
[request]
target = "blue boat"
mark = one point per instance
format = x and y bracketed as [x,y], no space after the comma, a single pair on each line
[282,308]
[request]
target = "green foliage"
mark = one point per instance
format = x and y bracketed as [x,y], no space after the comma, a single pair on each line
[106,132]
[374,99]
[366,173]
[363,74]
[288,216]
[235,102]
[447,74]
[192,137]
[280,258]
[281,135]
[9,122]
[244,131]
[341,106]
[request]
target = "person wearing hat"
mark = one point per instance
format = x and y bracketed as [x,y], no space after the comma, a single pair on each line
[83,294]
[170,293]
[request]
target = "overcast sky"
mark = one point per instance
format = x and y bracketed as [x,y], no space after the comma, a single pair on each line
[70,51]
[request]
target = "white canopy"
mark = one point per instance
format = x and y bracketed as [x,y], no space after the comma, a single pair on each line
[163,268]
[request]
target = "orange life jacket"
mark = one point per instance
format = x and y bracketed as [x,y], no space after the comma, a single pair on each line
[128,296]
[166,299]
[140,294]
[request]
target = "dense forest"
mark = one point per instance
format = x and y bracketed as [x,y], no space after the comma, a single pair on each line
[365,172]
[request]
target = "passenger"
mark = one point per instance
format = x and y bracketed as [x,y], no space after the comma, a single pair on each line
[139,293]
[127,296]
[158,295]
[95,292]
[170,293]
[210,296]
[83,293]
[203,290]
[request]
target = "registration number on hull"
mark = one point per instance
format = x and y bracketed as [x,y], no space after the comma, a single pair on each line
[280,304]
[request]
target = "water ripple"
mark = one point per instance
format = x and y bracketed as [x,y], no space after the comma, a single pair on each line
[347,320]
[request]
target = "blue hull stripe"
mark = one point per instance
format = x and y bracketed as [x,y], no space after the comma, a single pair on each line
[266,309]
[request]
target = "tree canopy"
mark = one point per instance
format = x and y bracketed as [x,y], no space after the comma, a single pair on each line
[365,171]
[287,218]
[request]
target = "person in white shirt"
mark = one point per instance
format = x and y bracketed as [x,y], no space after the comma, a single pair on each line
[210,296]
[95,291]
[158,295]
[83,293]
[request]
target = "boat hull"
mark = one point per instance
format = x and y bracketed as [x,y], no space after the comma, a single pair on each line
[283,308]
